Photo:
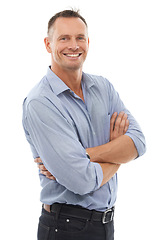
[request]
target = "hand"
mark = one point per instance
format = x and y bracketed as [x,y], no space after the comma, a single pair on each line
[43,171]
[118,125]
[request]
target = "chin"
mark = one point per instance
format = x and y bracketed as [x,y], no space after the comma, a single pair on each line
[73,67]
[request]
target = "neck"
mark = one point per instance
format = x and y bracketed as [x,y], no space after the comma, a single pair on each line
[71,78]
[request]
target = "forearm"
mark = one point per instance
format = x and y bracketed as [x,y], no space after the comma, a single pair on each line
[121,150]
[109,170]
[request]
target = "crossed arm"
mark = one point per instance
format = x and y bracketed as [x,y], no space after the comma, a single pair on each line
[110,156]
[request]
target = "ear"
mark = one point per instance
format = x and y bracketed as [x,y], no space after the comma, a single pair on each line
[88,42]
[47,44]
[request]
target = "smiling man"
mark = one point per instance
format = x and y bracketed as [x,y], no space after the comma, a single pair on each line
[80,132]
[68,50]
[68,44]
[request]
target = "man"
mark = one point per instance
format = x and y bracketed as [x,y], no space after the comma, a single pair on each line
[81,132]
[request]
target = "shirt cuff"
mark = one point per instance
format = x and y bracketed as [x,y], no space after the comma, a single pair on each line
[99,174]
[139,144]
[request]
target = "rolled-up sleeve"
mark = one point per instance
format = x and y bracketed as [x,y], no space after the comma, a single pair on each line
[134,131]
[56,142]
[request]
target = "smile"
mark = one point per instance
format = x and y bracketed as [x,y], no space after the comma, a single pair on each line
[72,55]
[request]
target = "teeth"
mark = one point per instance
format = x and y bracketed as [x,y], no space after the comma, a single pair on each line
[73,55]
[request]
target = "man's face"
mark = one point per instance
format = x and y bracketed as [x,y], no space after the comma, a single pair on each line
[69,43]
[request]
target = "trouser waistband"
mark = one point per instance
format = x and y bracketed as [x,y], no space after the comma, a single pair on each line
[79,212]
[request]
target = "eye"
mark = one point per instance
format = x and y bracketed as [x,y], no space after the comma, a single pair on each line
[81,38]
[63,39]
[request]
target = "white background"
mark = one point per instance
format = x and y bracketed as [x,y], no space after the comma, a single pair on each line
[125,48]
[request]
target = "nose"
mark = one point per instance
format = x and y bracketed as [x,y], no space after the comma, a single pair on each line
[73,45]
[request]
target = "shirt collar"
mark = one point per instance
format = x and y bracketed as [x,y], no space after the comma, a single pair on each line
[87,80]
[58,86]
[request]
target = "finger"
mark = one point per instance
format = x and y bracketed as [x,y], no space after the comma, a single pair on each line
[47,174]
[112,121]
[126,126]
[122,124]
[51,177]
[112,125]
[118,121]
[41,167]
[44,172]
[38,160]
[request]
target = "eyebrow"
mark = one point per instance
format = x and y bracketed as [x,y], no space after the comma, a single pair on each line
[81,35]
[67,35]
[63,35]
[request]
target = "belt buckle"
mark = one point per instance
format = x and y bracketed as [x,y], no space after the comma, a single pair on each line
[109,218]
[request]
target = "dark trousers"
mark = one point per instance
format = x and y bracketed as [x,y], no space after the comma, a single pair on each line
[70,228]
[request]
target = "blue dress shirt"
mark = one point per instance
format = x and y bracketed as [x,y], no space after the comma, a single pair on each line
[59,126]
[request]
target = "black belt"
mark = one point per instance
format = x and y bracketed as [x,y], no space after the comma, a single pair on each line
[83,213]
